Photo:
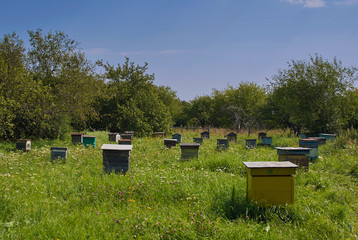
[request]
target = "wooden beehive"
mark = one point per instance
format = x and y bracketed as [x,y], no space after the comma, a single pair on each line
[124,142]
[261,135]
[89,141]
[329,137]
[116,157]
[77,138]
[296,155]
[321,140]
[126,136]
[251,143]
[58,153]
[178,137]
[189,150]
[129,132]
[222,143]
[159,134]
[113,137]
[312,144]
[267,141]
[232,137]
[170,142]
[205,134]
[23,144]
[198,140]
[270,183]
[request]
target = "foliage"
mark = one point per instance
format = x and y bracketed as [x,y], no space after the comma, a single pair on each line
[134,102]
[312,95]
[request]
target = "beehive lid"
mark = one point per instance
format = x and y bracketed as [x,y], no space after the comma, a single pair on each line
[222,139]
[328,134]
[88,136]
[293,148]
[170,140]
[116,147]
[285,164]
[76,134]
[176,135]
[251,139]
[318,138]
[189,144]
[23,140]
[309,140]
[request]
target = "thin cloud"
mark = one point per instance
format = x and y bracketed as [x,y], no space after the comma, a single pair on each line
[307,3]
[346,3]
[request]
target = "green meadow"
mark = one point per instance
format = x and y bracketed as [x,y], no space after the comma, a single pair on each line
[162,197]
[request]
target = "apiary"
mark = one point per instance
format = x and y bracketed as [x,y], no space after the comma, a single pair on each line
[232,137]
[58,153]
[76,138]
[270,183]
[312,144]
[189,150]
[170,142]
[89,141]
[178,137]
[296,155]
[267,141]
[251,143]
[205,134]
[222,144]
[198,140]
[113,137]
[116,157]
[23,144]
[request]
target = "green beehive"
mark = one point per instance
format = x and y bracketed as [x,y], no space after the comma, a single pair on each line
[222,143]
[312,144]
[267,141]
[232,137]
[205,134]
[178,137]
[251,143]
[261,135]
[189,150]
[170,142]
[58,153]
[89,141]
[116,157]
[329,137]
[198,140]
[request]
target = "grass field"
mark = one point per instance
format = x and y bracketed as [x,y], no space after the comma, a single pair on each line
[162,197]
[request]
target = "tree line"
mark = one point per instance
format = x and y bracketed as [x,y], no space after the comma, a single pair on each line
[51,88]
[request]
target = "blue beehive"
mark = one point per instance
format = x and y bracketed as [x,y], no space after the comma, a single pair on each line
[312,144]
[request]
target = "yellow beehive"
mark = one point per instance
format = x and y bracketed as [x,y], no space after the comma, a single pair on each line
[270,183]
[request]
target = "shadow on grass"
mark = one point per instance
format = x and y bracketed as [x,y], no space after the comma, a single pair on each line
[237,207]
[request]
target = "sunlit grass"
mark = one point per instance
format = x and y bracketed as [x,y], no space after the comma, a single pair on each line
[164,197]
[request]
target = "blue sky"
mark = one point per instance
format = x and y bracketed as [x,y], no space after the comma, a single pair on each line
[194,46]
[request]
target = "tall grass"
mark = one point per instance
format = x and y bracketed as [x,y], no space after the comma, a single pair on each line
[162,197]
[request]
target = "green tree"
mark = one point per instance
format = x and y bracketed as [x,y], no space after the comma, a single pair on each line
[312,95]
[133,102]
